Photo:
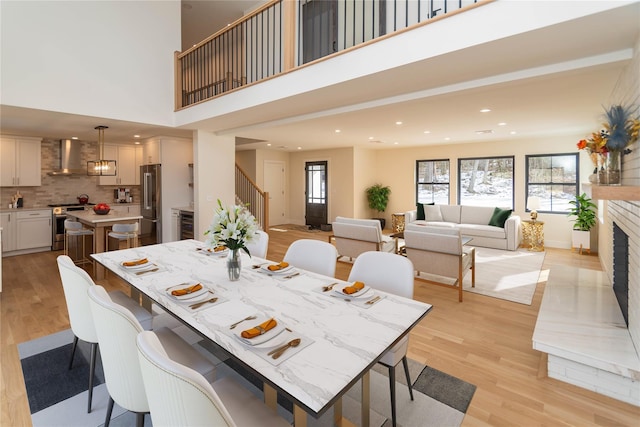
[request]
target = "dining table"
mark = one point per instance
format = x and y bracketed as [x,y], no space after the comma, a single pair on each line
[312,341]
[100,224]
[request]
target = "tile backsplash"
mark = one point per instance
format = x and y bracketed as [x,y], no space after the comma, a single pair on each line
[63,189]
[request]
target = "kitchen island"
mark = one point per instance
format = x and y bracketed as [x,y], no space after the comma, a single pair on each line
[101,224]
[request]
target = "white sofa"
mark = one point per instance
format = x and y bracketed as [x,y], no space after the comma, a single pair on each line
[473,222]
[354,236]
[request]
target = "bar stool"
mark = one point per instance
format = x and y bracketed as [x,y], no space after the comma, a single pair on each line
[124,232]
[76,230]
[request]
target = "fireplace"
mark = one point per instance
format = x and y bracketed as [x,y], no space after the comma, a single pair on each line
[621,270]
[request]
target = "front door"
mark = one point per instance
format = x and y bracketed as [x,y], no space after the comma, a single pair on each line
[316,193]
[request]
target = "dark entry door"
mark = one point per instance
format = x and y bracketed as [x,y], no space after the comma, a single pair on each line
[316,193]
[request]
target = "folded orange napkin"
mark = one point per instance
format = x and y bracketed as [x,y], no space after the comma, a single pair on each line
[260,329]
[278,266]
[136,262]
[187,290]
[357,286]
[219,248]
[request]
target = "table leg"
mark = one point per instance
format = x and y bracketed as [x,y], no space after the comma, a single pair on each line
[270,396]
[98,247]
[337,413]
[366,397]
[299,417]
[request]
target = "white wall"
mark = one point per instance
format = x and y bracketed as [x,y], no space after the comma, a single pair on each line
[111,59]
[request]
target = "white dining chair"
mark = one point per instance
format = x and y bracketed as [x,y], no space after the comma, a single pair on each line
[117,330]
[260,245]
[75,230]
[393,274]
[75,283]
[313,255]
[124,233]
[181,397]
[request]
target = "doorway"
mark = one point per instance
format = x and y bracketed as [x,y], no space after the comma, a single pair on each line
[274,183]
[316,194]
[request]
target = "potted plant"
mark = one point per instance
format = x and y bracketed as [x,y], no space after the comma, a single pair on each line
[378,198]
[584,211]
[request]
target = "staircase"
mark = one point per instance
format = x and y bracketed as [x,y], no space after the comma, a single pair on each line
[257,201]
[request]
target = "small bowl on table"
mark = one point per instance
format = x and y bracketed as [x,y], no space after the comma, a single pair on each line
[103,211]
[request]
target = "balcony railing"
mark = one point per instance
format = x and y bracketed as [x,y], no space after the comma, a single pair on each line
[285,34]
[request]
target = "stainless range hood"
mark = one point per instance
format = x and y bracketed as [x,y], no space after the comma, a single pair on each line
[70,159]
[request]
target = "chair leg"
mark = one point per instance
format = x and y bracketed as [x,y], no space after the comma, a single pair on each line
[73,351]
[92,370]
[392,389]
[107,419]
[139,419]
[406,373]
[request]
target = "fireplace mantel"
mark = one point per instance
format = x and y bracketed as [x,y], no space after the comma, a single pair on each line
[612,192]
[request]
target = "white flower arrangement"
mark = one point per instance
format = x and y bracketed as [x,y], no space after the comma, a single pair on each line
[232,227]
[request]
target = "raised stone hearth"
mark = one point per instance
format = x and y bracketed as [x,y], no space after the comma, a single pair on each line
[581,328]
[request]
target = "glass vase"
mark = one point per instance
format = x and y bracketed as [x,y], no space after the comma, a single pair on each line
[611,168]
[234,264]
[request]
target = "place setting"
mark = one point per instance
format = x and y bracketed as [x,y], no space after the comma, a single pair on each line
[279,270]
[193,296]
[356,293]
[218,251]
[140,266]
[268,338]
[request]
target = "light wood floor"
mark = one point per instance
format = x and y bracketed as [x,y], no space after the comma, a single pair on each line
[485,341]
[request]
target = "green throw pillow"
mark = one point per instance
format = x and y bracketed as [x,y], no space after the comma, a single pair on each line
[420,208]
[499,217]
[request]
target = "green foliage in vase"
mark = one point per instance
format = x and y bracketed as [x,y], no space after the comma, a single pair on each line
[378,197]
[584,211]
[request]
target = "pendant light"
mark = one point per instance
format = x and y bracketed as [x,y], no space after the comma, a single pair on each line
[101,167]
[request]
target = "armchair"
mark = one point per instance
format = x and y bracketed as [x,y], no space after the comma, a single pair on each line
[355,236]
[439,251]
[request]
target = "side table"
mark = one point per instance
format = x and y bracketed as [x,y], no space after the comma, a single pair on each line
[397,222]
[533,235]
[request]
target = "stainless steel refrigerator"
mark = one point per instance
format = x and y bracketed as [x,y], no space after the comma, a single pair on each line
[151,204]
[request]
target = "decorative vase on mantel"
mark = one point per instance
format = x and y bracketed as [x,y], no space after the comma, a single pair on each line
[610,172]
[234,264]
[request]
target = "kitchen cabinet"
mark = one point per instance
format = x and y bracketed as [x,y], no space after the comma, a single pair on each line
[8,225]
[20,162]
[126,172]
[151,152]
[175,225]
[34,229]
[139,162]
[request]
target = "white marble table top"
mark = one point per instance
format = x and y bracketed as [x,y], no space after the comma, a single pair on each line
[347,340]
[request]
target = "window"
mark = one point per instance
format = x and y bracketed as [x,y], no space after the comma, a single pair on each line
[554,179]
[486,181]
[432,181]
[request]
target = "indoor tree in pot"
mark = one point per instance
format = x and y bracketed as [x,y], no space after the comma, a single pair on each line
[378,198]
[584,211]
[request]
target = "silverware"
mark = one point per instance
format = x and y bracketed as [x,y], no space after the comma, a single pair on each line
[373,300]
[280,350]
[292,275]
[259,265]
[329,287]
[147,271]
[200,304]
[240,321]
[336,296]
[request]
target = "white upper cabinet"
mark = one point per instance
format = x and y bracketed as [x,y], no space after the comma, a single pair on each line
[151,152]
[126,168]
[20,162]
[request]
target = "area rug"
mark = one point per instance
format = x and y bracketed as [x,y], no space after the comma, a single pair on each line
[508,275]
[440,399]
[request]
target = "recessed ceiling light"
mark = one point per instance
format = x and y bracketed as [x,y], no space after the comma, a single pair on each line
[485,110]
[338,131]
[136,136]
[74,137]
[481,132]
[513,132]
[502,124]
[447,139]
[269,145]
[370,138]
[137,142]
[427,131]
[299,148]
[396,143]
[398,123]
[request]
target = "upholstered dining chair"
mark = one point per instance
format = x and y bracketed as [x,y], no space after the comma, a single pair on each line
[180,397]
[117,330]
[260,245]
[393,274]
[313,255]
[75,283]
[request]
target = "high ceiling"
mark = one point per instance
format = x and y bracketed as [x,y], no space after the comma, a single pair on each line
[526,101]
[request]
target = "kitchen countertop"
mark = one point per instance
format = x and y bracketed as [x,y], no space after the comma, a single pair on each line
[184,208]
[3,210]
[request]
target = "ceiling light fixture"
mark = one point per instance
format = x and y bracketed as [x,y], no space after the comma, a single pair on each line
[502,124]
[398,123]
[427,132]
[101,167]
[485,131]
[485,110]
